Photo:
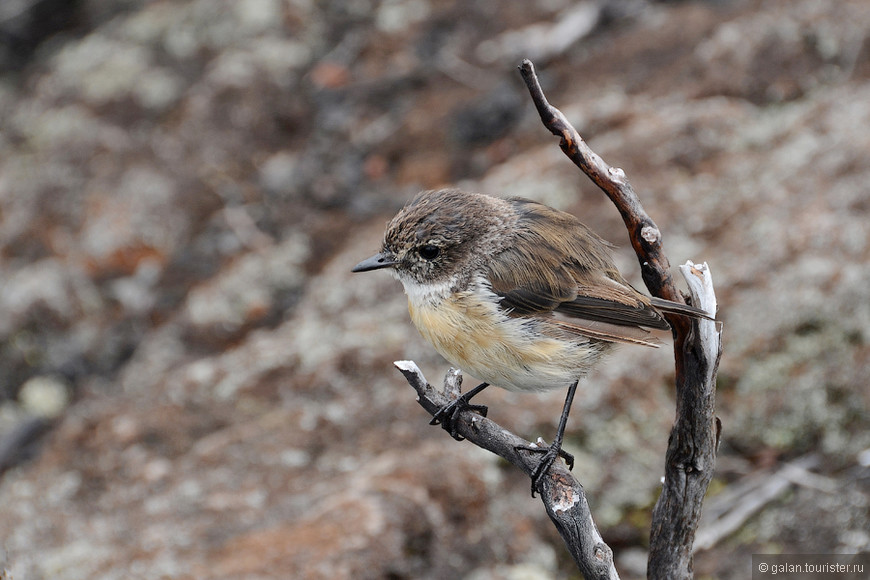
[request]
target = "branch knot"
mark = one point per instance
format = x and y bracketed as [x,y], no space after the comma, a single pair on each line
[650,234]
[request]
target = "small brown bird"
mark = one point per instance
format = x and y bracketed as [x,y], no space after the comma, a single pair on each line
[515,293]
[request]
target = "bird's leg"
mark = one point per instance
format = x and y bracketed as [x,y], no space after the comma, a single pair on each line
[449,413]
[555,449]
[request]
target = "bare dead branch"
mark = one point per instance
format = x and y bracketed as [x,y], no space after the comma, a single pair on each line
[694,437]
[562,495]
[693,442]
[643,232]
[728,511]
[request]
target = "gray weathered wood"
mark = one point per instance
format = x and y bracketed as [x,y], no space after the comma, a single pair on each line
[562,495]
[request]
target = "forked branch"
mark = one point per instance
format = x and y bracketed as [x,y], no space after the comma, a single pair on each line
[694,438]
[563,496]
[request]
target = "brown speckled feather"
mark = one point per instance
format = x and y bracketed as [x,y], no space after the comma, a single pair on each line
[569,279]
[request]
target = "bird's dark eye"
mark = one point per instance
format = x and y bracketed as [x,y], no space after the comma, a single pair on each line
[429,252]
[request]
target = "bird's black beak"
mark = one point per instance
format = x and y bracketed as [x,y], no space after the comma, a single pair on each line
[376,262]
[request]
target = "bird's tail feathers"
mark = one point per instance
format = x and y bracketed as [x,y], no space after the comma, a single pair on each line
[681,309]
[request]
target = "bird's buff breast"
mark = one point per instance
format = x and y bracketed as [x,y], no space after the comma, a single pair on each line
[471,332]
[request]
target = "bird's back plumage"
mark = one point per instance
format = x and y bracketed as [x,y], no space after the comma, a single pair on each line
[558,268]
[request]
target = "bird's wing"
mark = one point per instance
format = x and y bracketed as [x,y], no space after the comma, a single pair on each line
[602,309]
[570,281]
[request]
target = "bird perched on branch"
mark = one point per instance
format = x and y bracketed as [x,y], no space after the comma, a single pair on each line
[516,293]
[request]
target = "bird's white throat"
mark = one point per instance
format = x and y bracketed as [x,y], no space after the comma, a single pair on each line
[425,292]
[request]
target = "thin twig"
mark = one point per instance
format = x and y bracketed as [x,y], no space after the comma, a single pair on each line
[562,495]
[694,438]
[728,511]
[643,232]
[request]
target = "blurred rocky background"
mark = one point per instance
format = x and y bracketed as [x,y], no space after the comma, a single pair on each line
[194,385]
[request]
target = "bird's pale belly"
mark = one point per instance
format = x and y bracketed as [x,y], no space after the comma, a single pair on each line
[515,353]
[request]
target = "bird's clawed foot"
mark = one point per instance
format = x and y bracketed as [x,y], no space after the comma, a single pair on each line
[549,455]
[448,415]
